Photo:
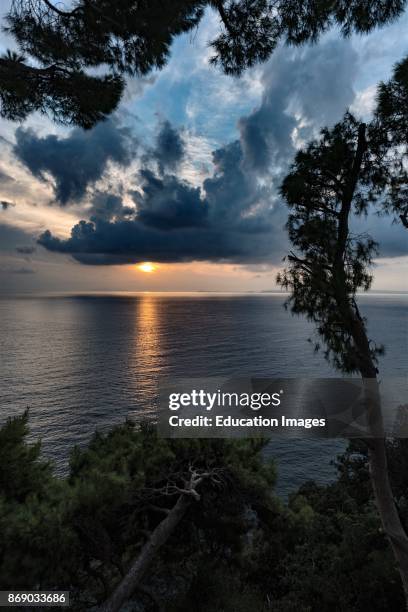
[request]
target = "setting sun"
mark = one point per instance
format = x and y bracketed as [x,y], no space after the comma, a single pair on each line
[147,267]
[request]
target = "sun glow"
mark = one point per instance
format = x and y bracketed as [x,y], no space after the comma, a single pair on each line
[147,267]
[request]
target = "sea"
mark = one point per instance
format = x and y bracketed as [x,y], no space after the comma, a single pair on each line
[89,361]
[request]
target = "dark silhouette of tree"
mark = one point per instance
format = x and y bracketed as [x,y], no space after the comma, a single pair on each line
[392,107]
[60,44]
[252,28]
[389,132]
[67,96]
[129,37]
[132,506]
[110,527]
[121,37]
[330,182]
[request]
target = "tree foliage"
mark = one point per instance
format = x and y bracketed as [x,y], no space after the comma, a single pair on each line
[392,105]
[332,183]
[65,45]
[130,37]
[341,560]
[389,135]
[331,180]
[82,531]
[238,548]
[67,96]
[61,46]
[22,472]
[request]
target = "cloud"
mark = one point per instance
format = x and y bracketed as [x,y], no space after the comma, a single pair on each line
[12,237]
[168,202]
[136,85]
[235,214]
[390,234]
[230,220]
[303,90]
[130,242]
[22,270]
[234,193]
[5,205]
[76,161]
[169,148]
[365,102]
[25,250]
[5,178]
[108,205]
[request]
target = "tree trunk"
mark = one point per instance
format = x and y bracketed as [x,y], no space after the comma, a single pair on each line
[159,536]
[377,456]
[387,509]
[353,322]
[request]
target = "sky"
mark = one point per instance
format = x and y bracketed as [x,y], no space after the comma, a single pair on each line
[185,174]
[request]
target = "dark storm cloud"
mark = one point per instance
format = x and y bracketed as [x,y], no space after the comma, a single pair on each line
[235,196]
[25,250]
[230,220]
[169,148]
[236,215]
[169,203]
[130,242]
[303,89]
[77,161]
[5,205]
[107,205]
[176,223]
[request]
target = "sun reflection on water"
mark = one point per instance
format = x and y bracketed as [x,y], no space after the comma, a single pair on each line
[147,355]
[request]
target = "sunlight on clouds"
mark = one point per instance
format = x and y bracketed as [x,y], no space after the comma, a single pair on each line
[285,101]
[197,164]
[32,211]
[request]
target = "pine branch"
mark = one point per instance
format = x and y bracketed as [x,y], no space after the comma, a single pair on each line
[61,13]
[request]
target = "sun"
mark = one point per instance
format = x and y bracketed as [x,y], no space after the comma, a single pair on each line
[147,266]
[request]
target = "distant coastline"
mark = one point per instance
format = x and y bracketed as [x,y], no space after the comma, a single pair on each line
[168,293]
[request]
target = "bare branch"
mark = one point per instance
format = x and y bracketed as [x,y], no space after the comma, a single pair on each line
[137,570]
[224,18]
[159,536]
[61,13]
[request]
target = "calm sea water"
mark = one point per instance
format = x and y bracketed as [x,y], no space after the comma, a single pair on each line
[89,361]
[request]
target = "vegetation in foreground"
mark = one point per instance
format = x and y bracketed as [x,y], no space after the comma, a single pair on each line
[235,548]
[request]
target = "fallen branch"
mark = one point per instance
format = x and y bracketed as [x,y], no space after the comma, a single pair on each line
[158,537]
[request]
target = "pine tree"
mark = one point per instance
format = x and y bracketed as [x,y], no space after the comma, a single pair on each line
[389,136]
[60,47]
[330,182]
